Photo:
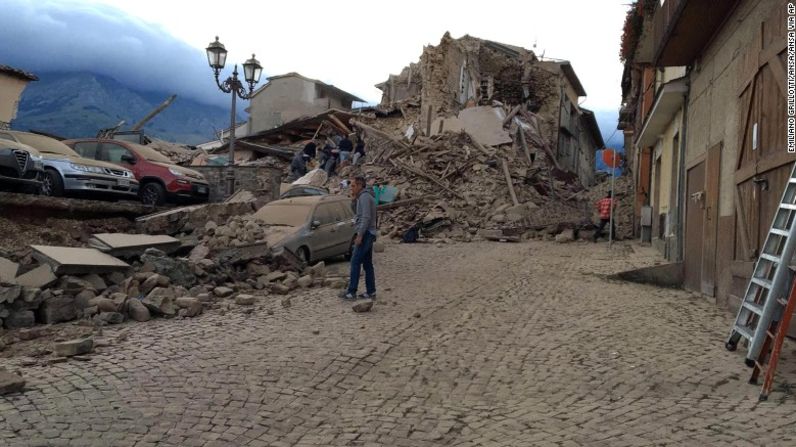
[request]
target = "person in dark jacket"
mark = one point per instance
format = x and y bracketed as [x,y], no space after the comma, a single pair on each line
[311,149]
[330,155]
[362,256]
[298,166]
[359,152]
[346,146]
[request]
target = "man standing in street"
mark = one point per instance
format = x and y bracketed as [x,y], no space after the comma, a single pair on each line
[362,256]
[604,206]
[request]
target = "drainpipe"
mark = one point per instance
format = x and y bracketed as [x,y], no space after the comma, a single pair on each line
[681,199]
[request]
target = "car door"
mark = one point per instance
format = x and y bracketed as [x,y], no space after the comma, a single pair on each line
[322,238]
[344,228]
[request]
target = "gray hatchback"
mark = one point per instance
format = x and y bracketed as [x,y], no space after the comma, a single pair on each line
[312,227]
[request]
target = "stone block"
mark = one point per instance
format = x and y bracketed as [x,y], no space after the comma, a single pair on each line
[138,311]
[110,317]
[245,300]
[20,319]
[57,309]
[223,292]
[192,306]
[160,301]
[71,348]
[305,281]
[10,383]
[9,294]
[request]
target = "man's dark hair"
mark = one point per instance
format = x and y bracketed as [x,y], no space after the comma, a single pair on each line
[359,180]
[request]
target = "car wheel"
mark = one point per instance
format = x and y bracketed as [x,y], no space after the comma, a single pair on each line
[51,184]
[152,193]
[303,253]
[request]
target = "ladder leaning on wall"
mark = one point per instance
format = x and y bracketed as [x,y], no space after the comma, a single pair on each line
[767,292]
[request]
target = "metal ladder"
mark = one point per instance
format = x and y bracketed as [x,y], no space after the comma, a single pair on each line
[770,278]
[772,347]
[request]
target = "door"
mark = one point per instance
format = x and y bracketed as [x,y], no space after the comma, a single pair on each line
[712,186]
[322,238]
[345,228]
[657,231]
[763,163]
[694,226]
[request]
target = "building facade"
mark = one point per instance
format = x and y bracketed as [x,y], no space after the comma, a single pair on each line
[12,82]
[291,96]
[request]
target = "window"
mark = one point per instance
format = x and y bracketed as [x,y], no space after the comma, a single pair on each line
[325,213]
[113,153]
[5,136]
[87,149]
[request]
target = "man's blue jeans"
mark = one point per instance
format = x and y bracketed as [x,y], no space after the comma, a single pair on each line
[363,258]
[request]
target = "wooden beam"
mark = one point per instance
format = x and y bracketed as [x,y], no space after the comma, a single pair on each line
[744,228]
[747,114]
[778,70]
[508,182]
[766,164]
[480,146]
[428,122]
[340,124]
[380,134]
[511,115]
[524,144]
[426,176]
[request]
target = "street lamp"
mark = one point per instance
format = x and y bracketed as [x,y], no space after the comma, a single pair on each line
[216,58]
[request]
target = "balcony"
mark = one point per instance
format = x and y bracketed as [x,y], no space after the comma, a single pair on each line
[682,28]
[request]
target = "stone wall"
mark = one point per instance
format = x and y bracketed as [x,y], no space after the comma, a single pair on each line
[262,181]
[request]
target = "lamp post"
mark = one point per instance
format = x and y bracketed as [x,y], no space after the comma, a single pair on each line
[217,57]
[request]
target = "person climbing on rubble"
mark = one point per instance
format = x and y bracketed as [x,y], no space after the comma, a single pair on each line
[329,159]
[359,152]
[346,147]
[298,166]
[604,206]
[362,255]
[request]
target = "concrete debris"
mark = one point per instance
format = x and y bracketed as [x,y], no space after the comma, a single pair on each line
[77,261]
[245,300]
[190,218]
[192,306]
[8,271]
[363,306]
[567,235]
[316,177]
[128,245]
[40,277]
[10,383]
[71,348]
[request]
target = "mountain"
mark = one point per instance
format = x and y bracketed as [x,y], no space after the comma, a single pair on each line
[75,105]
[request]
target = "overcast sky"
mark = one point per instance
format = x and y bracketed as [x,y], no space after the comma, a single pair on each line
[351,44]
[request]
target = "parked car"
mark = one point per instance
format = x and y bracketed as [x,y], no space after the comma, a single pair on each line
[65,171]
[161,180]
[20,166]
[312,227]
[304,190]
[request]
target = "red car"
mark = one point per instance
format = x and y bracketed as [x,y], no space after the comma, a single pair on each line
[160,179]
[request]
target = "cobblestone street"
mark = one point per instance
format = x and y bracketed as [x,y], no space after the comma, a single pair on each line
[469,344]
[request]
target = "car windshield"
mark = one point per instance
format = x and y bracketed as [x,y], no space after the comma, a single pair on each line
[46,144]
[151,154]
[284,214]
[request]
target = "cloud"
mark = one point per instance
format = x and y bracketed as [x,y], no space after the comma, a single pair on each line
[70,36]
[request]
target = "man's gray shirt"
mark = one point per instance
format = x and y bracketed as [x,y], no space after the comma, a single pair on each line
[366,213]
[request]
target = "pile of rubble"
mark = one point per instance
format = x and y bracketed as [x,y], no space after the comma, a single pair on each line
[154,284]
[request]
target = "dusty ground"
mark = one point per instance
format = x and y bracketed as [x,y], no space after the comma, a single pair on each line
[469,344]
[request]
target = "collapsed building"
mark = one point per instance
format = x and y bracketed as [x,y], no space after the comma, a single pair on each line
[463,73]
